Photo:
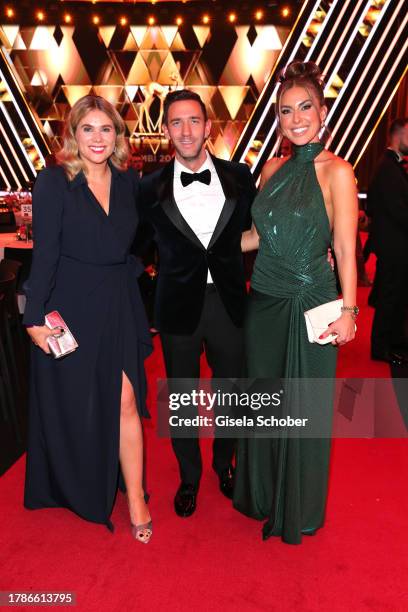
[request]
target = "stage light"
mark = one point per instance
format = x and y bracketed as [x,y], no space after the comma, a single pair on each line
[373,84]
[366,67]
[285,11]
[11,147]
[9,12]
[40,15]
[151,21]
[373,15]
[232,17]
[259,15]
[315,27]
[123,21]
[206,19]
[96,19]
[67,18]
[179,21]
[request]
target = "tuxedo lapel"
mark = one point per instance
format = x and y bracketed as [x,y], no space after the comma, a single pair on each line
[394,157]
[169,206]
[231,194]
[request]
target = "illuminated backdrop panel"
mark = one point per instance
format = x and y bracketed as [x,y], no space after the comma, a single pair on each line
[135,67]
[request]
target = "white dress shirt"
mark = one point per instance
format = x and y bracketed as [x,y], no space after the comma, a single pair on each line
[200,204]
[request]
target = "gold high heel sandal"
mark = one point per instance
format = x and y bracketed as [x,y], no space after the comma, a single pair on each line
[143,532]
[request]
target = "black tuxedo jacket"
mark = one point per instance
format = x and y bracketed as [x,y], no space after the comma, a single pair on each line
[387,204]
[184,261]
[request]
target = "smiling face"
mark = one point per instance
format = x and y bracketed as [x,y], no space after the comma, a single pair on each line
[301,115]
[96,138]
[187,129]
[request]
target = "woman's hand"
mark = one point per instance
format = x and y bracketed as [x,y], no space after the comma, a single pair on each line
[39,335]
[344,327]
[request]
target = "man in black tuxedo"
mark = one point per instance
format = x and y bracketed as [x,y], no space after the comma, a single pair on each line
[387,204]
[199,206]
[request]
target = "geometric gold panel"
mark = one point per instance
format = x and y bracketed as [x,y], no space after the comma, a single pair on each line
[134,68]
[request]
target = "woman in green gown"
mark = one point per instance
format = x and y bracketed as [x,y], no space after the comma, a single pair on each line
[304,202]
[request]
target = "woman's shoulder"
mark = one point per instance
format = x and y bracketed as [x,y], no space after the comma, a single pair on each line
[49,173]
[334,163]
[336,169]
[51,177]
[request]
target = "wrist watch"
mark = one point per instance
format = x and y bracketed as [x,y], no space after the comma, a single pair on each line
[353,310]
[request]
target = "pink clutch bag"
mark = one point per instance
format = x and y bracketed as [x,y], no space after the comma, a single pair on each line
[65,343]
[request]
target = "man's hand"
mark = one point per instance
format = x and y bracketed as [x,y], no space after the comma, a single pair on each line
[330,258]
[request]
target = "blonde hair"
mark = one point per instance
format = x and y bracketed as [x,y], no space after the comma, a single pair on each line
[68,155]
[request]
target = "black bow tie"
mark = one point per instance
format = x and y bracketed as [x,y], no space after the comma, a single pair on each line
[189,177]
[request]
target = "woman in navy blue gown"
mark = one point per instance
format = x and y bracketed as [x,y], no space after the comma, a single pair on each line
[85,408]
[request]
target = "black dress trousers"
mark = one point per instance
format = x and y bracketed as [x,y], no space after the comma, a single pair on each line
[223,345]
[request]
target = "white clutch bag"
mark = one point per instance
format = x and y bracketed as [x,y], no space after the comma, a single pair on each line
[319,318]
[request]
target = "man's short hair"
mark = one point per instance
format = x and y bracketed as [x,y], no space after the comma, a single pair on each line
[397,125]
[179,95]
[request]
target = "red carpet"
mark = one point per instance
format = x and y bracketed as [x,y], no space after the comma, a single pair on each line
[216,559]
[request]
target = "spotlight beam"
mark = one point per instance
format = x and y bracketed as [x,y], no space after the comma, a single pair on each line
[24,122]
[333,31]
[375,80]
[41,144]
[357,90]
[347,46]
[18,141]
[10,167]
[384,110]
[351,74]
[5,179]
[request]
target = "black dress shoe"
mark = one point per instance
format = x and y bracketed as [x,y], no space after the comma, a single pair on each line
[186,500]
[226,478]
[393,357]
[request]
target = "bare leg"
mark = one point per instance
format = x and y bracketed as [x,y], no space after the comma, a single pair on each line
[131,454]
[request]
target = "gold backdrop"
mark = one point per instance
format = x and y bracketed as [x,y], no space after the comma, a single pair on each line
[134,68]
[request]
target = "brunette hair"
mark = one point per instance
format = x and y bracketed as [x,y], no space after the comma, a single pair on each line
[68,155]
[179,95]
[301,74]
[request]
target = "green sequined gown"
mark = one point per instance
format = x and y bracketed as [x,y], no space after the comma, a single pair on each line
[284,480]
